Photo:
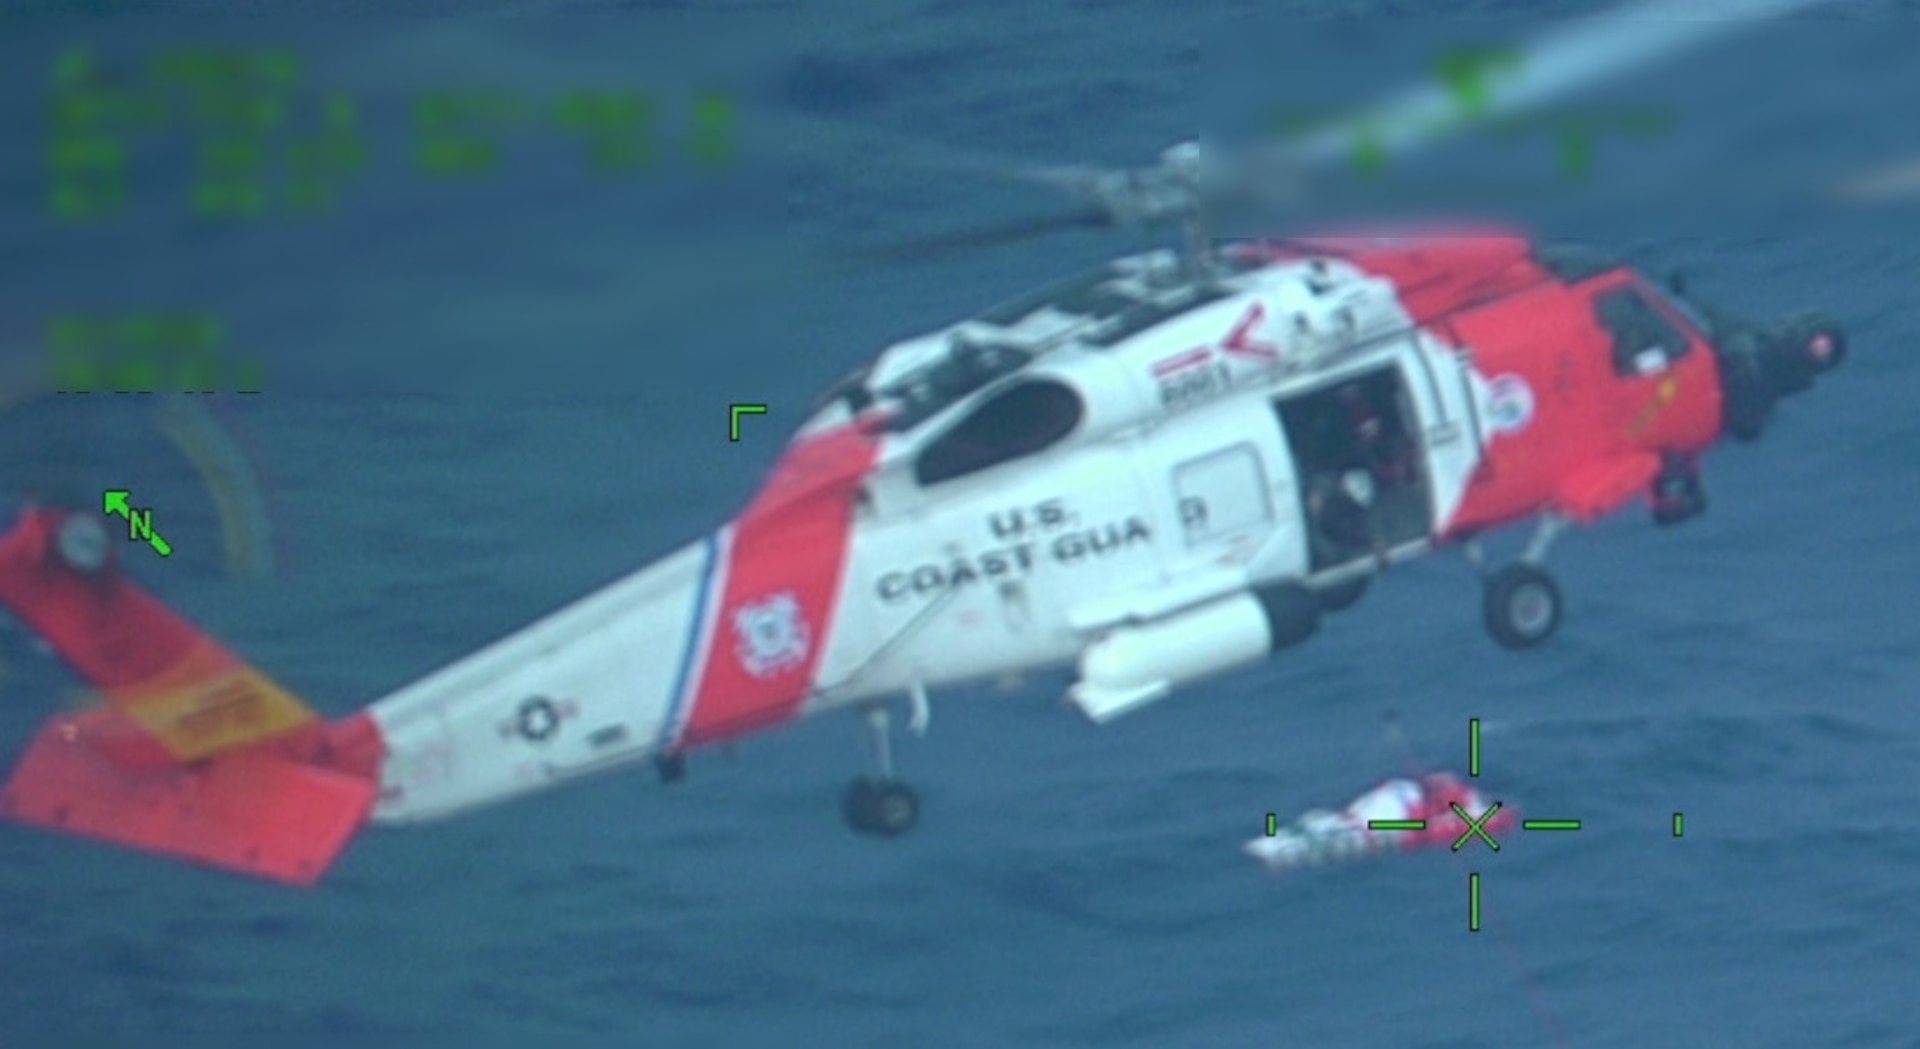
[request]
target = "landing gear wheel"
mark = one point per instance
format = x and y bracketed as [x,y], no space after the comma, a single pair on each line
[884,807]
[1522,606]
[1342,596]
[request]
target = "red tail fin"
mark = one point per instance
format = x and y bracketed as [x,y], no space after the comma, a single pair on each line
[196,754]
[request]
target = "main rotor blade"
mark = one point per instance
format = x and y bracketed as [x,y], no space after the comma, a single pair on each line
[1012,232]
[1557,64]
[811,135]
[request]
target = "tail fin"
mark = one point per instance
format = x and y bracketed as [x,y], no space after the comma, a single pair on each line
[195,753]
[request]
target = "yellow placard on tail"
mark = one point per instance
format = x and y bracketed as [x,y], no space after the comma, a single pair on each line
[231,711]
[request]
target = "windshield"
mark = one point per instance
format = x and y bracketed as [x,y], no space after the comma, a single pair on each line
[966,367]
[850,391]
[1697,315]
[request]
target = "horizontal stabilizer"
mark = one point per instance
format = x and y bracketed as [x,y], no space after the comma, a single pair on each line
[257,811]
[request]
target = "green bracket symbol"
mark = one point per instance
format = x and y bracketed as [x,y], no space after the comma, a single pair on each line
[735,411]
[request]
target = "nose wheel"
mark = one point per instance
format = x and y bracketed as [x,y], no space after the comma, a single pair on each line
[1521,603]
[886,808]
[1522,606]
[877,803]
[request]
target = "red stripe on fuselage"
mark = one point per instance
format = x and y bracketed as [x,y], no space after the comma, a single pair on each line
[1197,355]
[782,588]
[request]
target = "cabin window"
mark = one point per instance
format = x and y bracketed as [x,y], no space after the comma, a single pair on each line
[1644,340]
[1019,421]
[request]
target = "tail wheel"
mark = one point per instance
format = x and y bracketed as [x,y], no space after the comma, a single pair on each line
[884,807]
[1523,606]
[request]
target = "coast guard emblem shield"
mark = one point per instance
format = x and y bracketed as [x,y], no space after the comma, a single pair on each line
[771,635]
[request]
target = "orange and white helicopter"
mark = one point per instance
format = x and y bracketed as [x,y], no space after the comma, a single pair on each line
[1161,470]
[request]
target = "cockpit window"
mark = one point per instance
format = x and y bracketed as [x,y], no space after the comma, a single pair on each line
[1696,314]
[1019,421]
[1644,340]
[966,367]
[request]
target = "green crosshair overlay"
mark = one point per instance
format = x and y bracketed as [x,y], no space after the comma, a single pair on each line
[1396,824]
[1476,828]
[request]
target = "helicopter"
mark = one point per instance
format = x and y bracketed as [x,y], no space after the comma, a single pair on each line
[1166,468]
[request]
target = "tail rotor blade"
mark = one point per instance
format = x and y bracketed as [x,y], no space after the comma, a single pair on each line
[1511,82]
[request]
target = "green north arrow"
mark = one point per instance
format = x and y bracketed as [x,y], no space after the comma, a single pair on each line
[114,501]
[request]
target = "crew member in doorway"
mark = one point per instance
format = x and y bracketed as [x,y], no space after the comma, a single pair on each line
[1380,445]
[1350,456]
[1340,509]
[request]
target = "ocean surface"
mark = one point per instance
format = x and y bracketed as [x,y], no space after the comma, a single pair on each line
[486,397]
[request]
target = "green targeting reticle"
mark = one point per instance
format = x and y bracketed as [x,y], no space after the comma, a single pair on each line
[263,143]
[1475,826]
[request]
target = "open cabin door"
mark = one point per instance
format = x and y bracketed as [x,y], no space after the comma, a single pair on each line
[1363,474]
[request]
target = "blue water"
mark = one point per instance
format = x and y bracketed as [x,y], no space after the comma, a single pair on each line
[1068,885]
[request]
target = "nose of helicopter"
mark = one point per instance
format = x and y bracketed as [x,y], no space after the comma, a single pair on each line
[1760,365]
[1810,345]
